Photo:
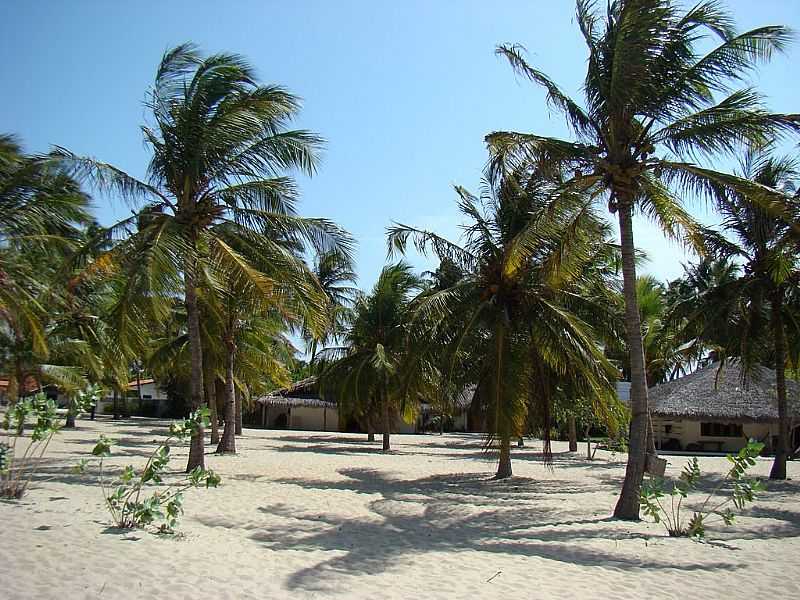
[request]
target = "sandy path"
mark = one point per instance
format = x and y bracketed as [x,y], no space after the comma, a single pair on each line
[309,515]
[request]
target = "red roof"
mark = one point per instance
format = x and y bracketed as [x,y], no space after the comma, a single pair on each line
[132,384]
[30,384]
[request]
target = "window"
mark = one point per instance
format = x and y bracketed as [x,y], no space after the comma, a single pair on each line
[721,430]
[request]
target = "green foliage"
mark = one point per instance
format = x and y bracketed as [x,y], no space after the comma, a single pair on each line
[127,497]
[655,492]
[378,373]
[18,468]
[515,317]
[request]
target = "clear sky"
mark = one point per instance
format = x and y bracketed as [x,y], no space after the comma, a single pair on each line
[404,92]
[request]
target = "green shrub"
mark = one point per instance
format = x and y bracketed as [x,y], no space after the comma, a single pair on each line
[716,506]
[18,468]
[126,499]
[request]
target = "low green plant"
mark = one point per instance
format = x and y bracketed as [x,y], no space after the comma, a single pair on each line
[19,461]
[734,489]
[126,498]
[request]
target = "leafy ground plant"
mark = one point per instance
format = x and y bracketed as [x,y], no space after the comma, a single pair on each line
[127,499]
[18,461]
[734,489]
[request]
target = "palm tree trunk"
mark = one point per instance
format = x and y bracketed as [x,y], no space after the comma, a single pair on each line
[778,470]
[628,504]
[196,388]
[238,399]
[370,430]
[70,422]
[386,422]
[227,444]
[139,386]
[211,400]
[573,434]
[116,405]
[504,465]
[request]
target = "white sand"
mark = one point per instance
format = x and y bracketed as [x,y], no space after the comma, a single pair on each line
[310,515]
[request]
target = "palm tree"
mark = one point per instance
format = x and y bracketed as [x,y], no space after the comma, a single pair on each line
[767,247]
[652,107]
[41,212]
[220,145]
[250,320]
[374,372]
[520,263]
[336,275]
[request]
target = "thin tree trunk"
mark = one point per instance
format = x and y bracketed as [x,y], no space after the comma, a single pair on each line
[651,435]
[70,422]
[196,388]
[628,504]
[116,405]
[370,430]
[237,396]
[588,445]
[386,423]
[504,465]
[211,400]
[573,434]
[227,445]
[778,470]
[139,386]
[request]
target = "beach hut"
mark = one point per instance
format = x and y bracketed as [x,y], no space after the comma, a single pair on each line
[300,406]
[716,410]
[297,406]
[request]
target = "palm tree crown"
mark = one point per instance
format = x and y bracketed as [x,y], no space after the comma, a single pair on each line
[653,104]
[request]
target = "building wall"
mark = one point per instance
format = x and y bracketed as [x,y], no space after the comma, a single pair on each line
[624,391]
[689,432]
[306,418]
[154,401]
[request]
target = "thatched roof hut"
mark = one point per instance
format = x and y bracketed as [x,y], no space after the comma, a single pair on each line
[714,394]
[301,393]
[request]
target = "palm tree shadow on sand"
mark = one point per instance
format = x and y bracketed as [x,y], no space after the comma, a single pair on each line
[444,513]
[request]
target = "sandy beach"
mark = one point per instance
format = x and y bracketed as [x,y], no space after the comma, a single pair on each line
[310,515]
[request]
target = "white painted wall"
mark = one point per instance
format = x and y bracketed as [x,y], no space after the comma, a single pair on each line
[689,432]
[306,418]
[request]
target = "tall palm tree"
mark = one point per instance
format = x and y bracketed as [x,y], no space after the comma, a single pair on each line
[220,146]
[653,104]
[767,247]
[374,372]
[336,276]
[520,263]
[41,212]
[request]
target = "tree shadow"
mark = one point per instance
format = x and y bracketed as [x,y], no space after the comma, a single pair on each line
[441,513]
[332,448]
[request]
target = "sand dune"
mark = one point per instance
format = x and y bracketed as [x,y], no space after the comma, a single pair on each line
[310,515]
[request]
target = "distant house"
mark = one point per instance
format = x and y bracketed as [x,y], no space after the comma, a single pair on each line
[31,387]
[712,409]
[300,406]
[154,401]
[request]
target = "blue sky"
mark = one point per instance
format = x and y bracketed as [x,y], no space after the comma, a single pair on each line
[404,92]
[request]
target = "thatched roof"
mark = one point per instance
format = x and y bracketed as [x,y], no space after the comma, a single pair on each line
[460,402]
[305,388]
[306,393]
[714,394]
[301,393]
[293,401]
